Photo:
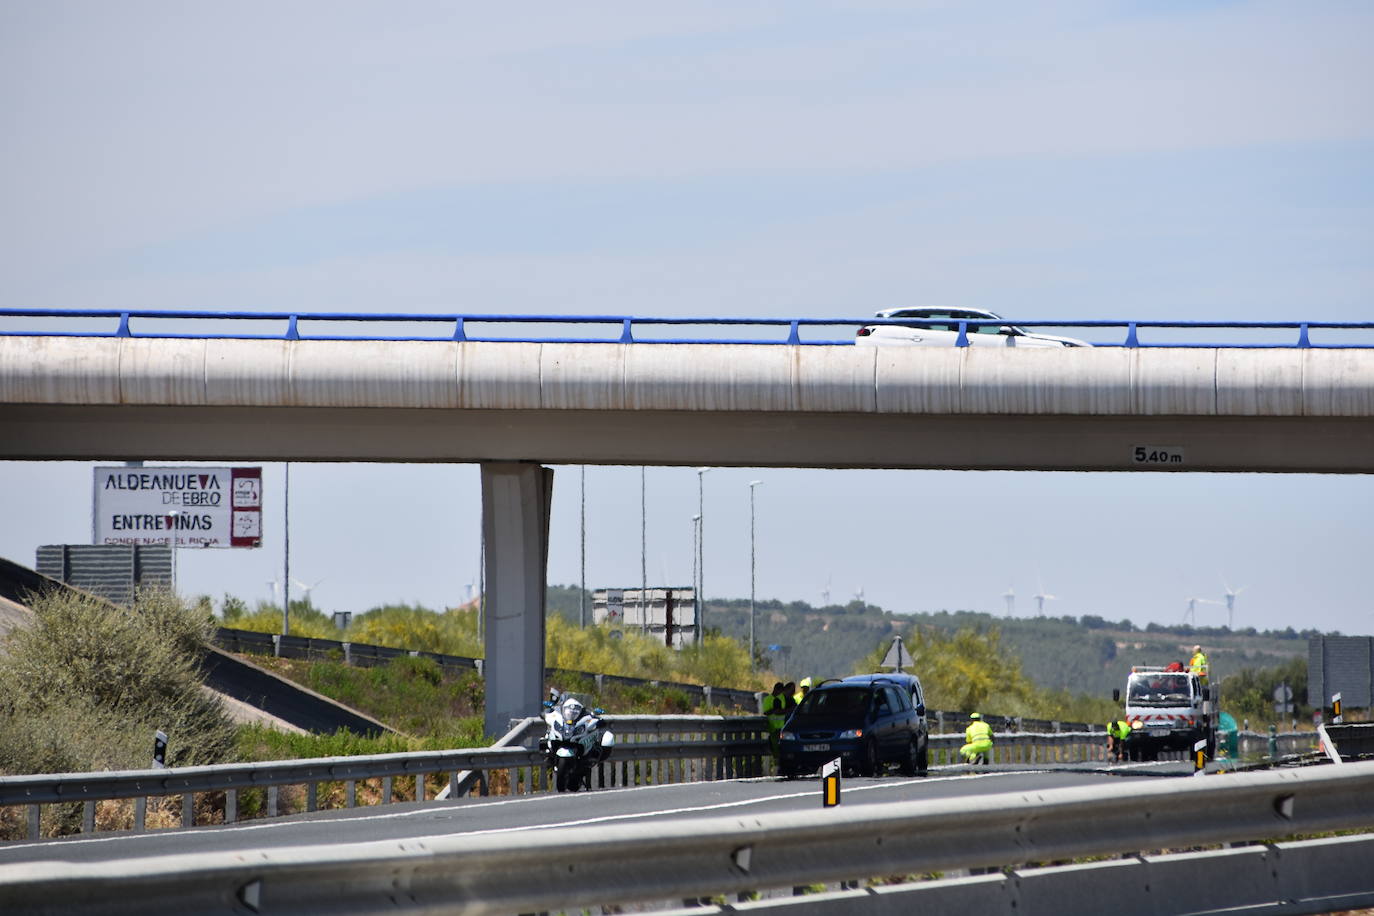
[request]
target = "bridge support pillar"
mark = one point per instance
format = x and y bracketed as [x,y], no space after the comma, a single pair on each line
[515,527]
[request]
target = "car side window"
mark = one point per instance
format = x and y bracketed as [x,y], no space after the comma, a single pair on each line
[898,698]
[880,703]
[974,316]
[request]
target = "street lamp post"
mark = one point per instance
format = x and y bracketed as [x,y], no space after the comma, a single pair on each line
[643,552]
[286,554]
[701,552]
[752,485]
[582,591]
[696,595]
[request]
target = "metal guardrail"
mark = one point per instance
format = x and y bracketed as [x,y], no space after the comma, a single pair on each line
[571,867]
[650,750]
[365,655]
[459,327]
[1307,876]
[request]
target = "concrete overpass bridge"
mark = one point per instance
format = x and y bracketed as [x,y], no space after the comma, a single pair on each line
[515,405]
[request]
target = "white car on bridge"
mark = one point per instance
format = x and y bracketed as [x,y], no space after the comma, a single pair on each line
[936,327]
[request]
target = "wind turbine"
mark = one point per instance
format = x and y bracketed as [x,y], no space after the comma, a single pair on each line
[275,585]
[307,588]
[1042,597]
[1231,594]
[1009,597]
[825,593]
[1191,613]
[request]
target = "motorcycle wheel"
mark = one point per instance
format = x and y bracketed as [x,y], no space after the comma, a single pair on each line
[563,774]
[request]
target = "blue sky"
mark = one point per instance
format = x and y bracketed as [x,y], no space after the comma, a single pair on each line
[1051,160]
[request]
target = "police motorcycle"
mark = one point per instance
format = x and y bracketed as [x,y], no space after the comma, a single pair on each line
[577,741]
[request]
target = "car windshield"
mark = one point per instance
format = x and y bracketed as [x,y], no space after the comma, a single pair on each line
[1159,690]
[836,703]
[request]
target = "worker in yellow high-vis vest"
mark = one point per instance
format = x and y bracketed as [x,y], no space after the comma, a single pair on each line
[978,738]
[1117,733]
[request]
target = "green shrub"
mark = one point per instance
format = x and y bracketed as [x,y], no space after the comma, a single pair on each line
[88,684]
[453,632]
[306,620]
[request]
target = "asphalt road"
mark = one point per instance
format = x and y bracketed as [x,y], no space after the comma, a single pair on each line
[601,807]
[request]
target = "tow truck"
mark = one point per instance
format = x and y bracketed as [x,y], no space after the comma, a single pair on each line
[1169,709]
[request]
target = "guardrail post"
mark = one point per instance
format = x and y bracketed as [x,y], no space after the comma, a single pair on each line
[1131,339]
[272,794]
[88,816]
[188,809]
[386,790]
[35,817]
[625,335]
[231,805]
[123,325]
[311,801]
[420,787]
[793,337]
[350,793]
[140,813]
[348,653]
[459,333]
[1303,341]
[291,332]
[962,339]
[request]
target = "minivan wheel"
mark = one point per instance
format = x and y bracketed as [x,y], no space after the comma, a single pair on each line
[868,764]
[911,765]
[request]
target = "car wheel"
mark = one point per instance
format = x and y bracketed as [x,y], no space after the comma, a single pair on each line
[868,763]
[911,765]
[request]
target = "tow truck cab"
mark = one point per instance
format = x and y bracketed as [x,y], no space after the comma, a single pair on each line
[1167,710]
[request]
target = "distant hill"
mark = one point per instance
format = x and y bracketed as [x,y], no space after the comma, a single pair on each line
[1087,655]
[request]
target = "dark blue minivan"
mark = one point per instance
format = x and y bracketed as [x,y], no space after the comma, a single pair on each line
[866,721]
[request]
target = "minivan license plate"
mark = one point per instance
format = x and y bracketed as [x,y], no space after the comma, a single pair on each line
[815,747]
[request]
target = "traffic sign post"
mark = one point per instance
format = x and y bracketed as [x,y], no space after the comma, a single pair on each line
[830,783]
[1283,700]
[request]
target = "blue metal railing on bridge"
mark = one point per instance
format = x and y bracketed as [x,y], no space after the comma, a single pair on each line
[177,324]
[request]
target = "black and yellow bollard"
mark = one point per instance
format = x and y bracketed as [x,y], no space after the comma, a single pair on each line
[830,783]
[1199,757]
[1336,717]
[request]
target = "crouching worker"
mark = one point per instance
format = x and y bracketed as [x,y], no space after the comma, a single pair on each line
[1117,733]
[978,736]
